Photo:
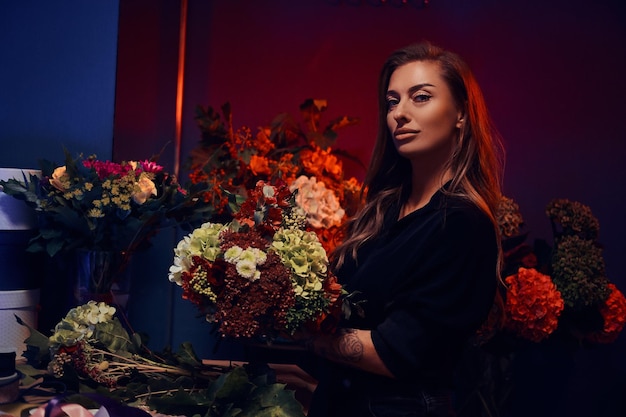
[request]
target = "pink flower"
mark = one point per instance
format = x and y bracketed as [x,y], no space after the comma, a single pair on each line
[149,166]
[105,169]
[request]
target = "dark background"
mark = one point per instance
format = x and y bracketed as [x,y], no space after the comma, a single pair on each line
[100,77]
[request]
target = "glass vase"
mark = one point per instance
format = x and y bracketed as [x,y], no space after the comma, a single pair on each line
[101,276]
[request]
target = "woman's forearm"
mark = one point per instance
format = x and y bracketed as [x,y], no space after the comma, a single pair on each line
[350,347]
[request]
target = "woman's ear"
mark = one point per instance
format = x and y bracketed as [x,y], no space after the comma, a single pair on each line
[460,119]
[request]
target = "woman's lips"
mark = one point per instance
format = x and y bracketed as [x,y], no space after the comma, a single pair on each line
[404,133]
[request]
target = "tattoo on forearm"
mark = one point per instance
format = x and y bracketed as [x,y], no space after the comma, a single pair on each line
[345,347]
[348,347]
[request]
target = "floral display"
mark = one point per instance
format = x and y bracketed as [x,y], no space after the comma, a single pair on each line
[554,298]
[99,205]
[262,274]
[231,161]
[99,363]
[561,289]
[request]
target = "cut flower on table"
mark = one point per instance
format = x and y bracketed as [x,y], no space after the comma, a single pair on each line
[93,366]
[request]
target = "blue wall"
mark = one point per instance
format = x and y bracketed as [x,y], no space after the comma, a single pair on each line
[57,79]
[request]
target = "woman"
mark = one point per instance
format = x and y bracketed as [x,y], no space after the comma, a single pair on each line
[422,257]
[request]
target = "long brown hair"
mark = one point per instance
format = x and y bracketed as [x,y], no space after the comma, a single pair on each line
[476,163]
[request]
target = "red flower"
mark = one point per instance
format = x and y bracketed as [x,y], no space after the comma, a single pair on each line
[614,314]
[533,305]
[248,309]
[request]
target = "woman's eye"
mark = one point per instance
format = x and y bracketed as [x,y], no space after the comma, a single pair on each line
[391,102]
[421,97]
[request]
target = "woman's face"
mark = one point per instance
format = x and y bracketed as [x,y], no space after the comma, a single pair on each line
[422,116]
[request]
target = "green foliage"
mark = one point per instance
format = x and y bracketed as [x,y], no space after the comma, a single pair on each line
[306,309]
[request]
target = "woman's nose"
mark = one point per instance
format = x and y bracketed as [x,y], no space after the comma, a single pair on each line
[399,112]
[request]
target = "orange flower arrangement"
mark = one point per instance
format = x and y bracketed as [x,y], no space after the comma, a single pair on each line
[533,305]
[229,162]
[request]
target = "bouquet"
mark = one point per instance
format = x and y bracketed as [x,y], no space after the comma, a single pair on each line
[262,275]
[100,205]
[231,161]
[102,364]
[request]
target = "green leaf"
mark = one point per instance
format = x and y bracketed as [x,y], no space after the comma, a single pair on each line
[181,403]
[30,374]
[54,246]
[273,401]
[38,342]
[186,355]
[113,335]
[234,385]
[320,140]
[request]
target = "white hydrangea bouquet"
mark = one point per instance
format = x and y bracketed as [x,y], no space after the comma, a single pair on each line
[262,275]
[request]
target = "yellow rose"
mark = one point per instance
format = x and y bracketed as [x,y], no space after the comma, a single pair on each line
[60,179]
[144,188]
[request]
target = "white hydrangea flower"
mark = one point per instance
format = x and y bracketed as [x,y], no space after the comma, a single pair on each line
[303,253]
[321,205]
[203,241]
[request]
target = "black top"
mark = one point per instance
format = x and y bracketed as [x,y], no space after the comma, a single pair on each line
[429,282]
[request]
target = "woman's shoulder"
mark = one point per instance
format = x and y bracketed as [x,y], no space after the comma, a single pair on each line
[461,212]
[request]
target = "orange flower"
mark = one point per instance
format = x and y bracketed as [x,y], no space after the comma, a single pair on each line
[286,167]
[320,162]
[332,165]
[259,165]
[198,176]
[533,305]
[614,314]
[263,142]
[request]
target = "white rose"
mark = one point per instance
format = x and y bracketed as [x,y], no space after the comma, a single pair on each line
[59,178]
[144,188]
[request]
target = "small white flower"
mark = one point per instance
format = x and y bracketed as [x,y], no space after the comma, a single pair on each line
[232,254]
[246,269]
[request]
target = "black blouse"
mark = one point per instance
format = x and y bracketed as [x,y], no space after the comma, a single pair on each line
[428,282]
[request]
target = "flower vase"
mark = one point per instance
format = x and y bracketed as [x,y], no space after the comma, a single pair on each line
[101,276]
